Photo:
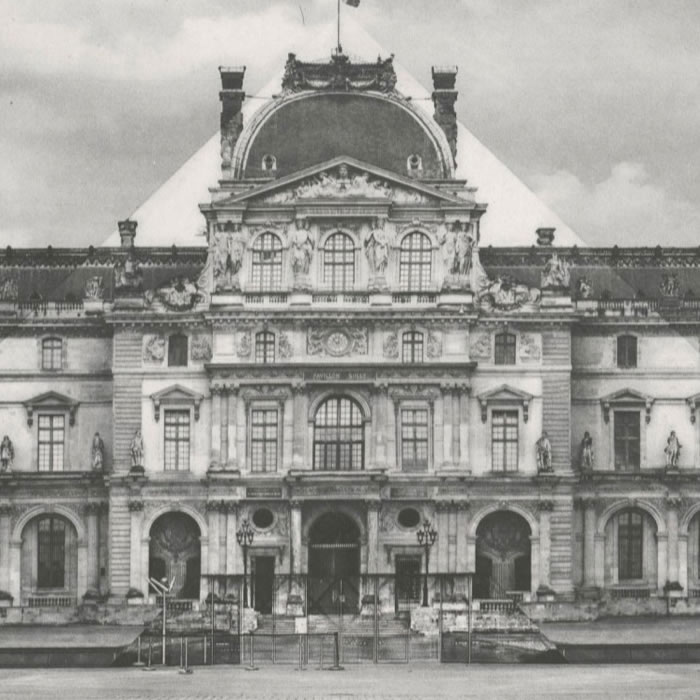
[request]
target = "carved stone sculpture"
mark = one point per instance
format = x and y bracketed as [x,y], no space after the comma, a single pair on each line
[284,347]
[244,346]
[154,349]
[227,251]
[302,255]
[587,456]
[337,342]
[391,346]
[584,288]
[669,285]
[433,346]
[180,294]
[544,454]
[136,450]
[672,450]
[377,245]
[97,453]
[94,289]
[7,454]
[200,350]
[9,290]
[457,244]
[480,347]
[128,275]
[530,349]
[556,273]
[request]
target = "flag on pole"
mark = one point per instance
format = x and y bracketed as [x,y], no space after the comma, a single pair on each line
[352,3]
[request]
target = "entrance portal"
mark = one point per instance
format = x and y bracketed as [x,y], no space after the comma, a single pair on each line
[334,565]
[263,584]
[502,555]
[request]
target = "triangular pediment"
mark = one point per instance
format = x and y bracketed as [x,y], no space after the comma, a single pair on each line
[50,400]
[345,178]
[176,394]
[505,394]
[627,396]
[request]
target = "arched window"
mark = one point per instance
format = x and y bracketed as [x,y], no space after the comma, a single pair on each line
[177,350]
[412,346]
[267,262]
[339,262]
[339,443]
[51,353]
[627,351]
[630,528]
[415,262]
[265,347]
[504,349]
[51,552]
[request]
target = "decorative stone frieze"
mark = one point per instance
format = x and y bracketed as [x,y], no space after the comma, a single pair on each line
[154,349]
[200,349]
[337,341]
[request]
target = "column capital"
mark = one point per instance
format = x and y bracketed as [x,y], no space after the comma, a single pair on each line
[545,506]
[373,505]
[673,501]
[295,503]
[229,506]
[6,509]
[135,506]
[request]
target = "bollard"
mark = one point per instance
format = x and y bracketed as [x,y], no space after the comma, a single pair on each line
[149,666]
[336,654]
[204,648]
[186,668]
[251,662]
[138,652]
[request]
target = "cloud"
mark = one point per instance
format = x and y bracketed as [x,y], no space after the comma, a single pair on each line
[53,47]
[627,207]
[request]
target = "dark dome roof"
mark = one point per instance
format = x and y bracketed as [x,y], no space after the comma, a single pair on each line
[315,127]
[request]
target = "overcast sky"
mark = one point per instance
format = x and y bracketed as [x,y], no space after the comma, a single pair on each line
[595,104]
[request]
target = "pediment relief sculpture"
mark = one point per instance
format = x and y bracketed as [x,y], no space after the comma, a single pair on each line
[180,294]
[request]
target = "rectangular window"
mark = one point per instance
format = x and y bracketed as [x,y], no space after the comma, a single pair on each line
[51,553]
[627,440]
[629,545]
[177,440]
[51,353]
[504,441]
[51,440]
[627,351]
[412,346]
[414,440]
[504,349]
[263,440]
[265,347]
[177,350]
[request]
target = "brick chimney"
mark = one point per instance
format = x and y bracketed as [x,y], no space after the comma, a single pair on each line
[127,232]
[231,96]
[444,98]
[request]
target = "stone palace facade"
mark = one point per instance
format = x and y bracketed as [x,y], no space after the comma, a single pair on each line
[344,360]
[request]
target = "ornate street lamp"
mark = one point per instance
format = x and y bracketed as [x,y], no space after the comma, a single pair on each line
[426,539]
[245,537]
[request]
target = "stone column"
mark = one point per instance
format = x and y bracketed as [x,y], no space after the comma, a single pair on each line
[448,456]
[215,458]
[683,561]
[599,547]
[213,521]
[137,577]
[5,514]
[233,563]
[462,528]
[545,509]
[15,587]
[464,429]
[373,508]
[589,527]
[92,511]
[662,542]
[232,457]
[672,503]
[380,426]
[299,457]
[456,415]
[295,536]
[440,562]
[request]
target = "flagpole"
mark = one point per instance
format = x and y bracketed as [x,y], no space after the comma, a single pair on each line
[339,26]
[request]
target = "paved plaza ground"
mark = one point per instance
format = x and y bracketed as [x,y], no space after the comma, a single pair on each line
[639,682]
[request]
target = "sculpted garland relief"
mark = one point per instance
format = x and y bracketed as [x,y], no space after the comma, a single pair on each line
[336,341]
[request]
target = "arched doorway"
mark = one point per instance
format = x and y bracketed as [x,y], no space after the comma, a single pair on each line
[174,553]
[630,549]
[502,555]
[49,566]
[334,564]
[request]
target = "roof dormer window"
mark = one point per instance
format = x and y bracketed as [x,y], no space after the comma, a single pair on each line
[414,164]
[269,163]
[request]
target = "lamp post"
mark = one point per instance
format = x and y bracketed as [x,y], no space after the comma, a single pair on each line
[245,537]
[426,539]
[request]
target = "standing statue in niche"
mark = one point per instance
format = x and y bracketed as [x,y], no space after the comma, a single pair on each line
[227,253]
[97,453]
[457,249]
[587,456]
[672,450]
[302,253]
[136,450]
[7,454]
[544,454]
[377,253]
